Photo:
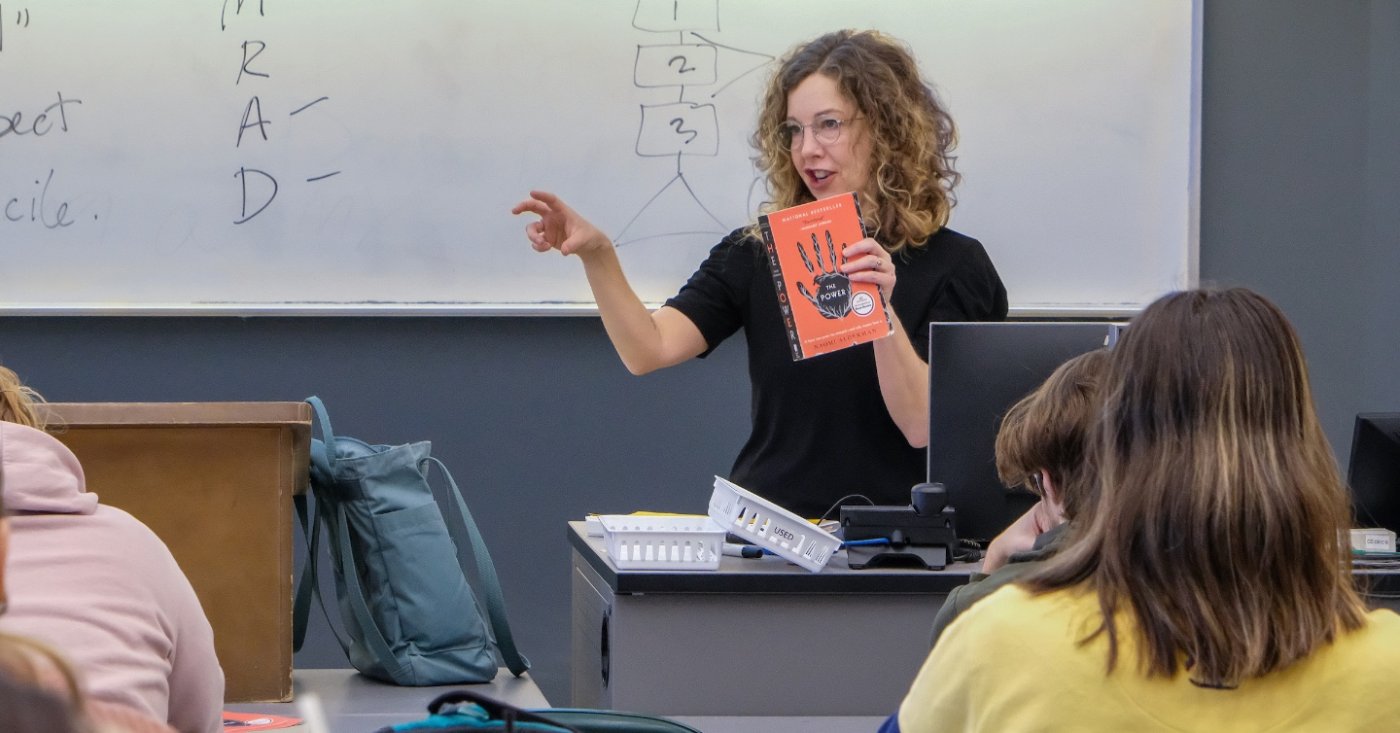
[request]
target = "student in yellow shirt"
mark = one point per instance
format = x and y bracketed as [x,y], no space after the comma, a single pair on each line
[1209,588]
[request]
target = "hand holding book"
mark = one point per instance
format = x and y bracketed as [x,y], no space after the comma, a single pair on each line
[867,261]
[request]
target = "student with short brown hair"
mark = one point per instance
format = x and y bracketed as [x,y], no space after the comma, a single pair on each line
[1041,446]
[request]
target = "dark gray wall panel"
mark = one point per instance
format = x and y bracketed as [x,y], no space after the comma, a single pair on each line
[536,417]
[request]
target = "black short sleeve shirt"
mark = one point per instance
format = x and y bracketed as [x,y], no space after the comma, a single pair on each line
[820,429]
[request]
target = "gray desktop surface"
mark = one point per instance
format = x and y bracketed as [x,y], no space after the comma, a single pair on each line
[353,702]
[772,574]
[768,574]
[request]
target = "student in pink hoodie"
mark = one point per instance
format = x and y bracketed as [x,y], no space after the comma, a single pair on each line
[40,692]
[99,586]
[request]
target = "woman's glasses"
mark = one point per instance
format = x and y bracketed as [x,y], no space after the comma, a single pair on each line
[826,130]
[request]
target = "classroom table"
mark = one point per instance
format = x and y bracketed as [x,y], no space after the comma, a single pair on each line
[353,702]
[214,480]
[765,637]
[756,637]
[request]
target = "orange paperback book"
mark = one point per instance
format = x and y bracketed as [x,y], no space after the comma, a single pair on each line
[257,721]
[822,310]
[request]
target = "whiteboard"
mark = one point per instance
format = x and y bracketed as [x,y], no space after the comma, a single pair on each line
[257,156]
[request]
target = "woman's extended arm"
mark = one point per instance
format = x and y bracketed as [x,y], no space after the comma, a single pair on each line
[644,340]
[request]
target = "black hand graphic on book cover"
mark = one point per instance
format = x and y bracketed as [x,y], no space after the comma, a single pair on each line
[833,298]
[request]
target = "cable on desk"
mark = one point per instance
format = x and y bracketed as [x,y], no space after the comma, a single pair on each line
[968,551]
[866,543]
[840,502]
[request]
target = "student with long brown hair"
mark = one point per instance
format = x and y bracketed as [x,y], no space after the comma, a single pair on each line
[1209,588]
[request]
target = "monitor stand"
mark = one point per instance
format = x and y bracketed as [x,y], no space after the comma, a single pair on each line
[931,557]
[912,538]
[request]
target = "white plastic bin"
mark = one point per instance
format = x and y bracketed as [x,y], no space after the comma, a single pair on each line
[748,515]
[662,543]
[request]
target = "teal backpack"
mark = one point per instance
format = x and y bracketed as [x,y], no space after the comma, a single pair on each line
[409,614]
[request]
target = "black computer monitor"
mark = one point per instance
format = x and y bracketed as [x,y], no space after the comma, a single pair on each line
[976,372]
[1374,475]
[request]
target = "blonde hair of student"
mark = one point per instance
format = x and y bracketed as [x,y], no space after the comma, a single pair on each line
[1050,428]
[1218,524]
[17,401]
[912,136]
[32,662]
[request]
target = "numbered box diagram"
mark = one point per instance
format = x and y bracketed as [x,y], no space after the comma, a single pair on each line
[675,65]
[680,128]
[676,15]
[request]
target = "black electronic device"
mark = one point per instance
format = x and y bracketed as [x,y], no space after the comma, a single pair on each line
[922,534]
[1374,473]
[976,372]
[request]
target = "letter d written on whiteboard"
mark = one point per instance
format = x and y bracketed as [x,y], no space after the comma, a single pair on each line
[242,176]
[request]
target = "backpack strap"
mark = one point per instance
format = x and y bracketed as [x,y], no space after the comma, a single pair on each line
[306,587]
[309,585]
[322,460]
[516,662]
[400,673]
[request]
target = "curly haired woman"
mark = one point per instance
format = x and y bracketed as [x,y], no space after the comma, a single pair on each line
[846,112]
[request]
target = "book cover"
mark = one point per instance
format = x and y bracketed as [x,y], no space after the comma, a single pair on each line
[257,721]
[822,310]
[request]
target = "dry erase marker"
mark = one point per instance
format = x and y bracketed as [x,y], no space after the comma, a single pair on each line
[734,549]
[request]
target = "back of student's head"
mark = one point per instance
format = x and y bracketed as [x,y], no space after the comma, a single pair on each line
[1049,429]
[1220,511]
[17,401]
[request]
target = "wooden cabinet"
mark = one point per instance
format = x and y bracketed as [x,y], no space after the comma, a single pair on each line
[215,481]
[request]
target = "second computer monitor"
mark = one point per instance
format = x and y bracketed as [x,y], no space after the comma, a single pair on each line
[976,372]
[1374,475]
